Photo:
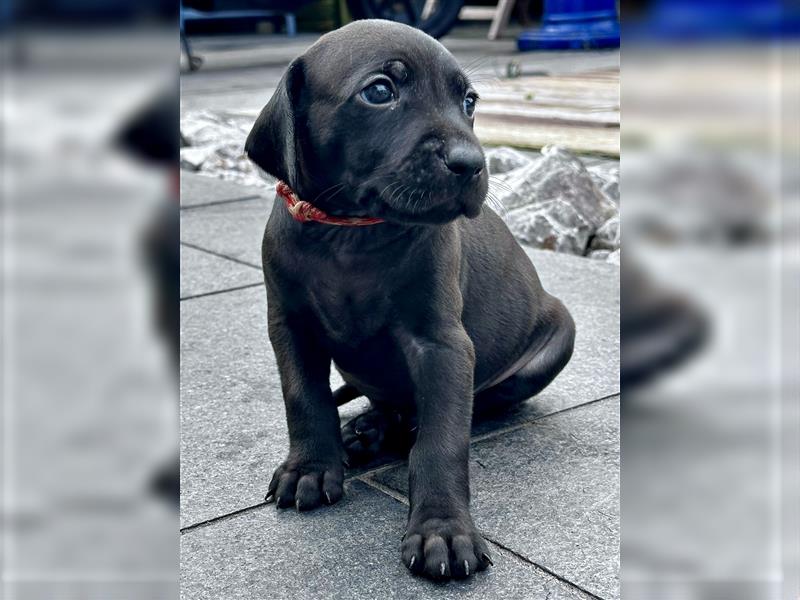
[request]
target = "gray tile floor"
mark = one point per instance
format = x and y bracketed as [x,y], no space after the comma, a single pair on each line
[545,478]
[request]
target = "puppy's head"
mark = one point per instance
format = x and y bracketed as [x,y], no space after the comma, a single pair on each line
[375,119]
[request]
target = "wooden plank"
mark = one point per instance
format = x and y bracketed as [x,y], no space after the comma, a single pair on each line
[477,13]
[583,140]
[553,114]
[578,111]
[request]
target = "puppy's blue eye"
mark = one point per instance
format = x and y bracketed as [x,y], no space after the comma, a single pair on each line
[469,105]
[377,93]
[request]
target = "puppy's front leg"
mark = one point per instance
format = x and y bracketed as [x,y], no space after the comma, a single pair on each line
[441,540]
[312,473]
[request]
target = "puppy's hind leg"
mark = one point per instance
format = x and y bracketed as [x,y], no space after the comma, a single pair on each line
[346,393]
[375,433]
[537,373]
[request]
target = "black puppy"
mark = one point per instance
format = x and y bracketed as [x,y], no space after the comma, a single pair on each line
[424,313]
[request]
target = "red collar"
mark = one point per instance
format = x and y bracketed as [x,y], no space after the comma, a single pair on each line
[303,211]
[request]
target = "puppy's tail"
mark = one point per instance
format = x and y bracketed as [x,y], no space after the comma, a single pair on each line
[345,394]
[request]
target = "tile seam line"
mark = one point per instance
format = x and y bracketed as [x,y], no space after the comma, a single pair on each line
[245,509]
[225,291]
[219,255]
[224,517]
[544,569]
[498,432]
[492,434]
[400,498]
[220,202]
[363,477]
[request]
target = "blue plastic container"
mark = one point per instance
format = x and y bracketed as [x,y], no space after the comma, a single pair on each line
[574,25]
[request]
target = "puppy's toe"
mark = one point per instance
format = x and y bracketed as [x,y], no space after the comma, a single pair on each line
[464,560]
[309,491]
[284,492]
[437,561]
[412,553]
[305,486]
[332,486]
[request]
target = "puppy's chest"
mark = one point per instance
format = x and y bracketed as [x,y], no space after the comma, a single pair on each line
[350,307]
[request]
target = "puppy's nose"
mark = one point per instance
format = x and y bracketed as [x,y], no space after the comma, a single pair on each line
[464,160]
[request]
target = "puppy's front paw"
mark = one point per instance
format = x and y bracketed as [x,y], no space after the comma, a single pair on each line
[306,485]
[444,548]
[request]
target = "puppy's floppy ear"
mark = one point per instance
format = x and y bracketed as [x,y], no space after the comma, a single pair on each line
[272,143]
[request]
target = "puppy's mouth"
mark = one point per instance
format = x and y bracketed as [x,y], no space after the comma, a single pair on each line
[412,204]
[409,202]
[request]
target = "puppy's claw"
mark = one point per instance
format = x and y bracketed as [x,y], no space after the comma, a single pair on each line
[328,496]
[270,497]
[442,569]
[278,502]
[466,567]
[411,564]
[488,558]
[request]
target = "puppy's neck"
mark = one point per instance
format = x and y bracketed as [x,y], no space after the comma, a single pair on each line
[385,236]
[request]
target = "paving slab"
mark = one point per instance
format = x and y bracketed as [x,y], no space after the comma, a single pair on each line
[233,429]
[233,229]
[233,423]
[347,551]
[197,190]
[204,273]
[549,491]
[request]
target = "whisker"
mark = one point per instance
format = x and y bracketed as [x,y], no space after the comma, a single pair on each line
[417,203]
[400,190]
[476,63]
[496,205]
[380,194]
[387,187]
[493,180]
[326,190]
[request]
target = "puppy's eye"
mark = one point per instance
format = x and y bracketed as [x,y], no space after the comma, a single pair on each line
[470,102]
[378,93]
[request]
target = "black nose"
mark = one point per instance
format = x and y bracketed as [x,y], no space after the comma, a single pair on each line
[464,160]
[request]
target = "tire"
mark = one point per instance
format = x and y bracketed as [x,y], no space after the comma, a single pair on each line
[441,19]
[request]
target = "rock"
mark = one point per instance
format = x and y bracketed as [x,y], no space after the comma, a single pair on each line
[504,159]
[555,203]
[559,175]
[553,225]
[614,257]
[599,254]
[606,178]
[192,158]
[607,236]
[221,135]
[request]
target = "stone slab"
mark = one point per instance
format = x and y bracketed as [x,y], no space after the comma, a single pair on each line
[233,424]
[197,190]
[232,421]
[204,273]
[549,491]
[234,229]
[348,551]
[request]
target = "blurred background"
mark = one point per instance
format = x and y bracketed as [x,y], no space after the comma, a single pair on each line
[93,144]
